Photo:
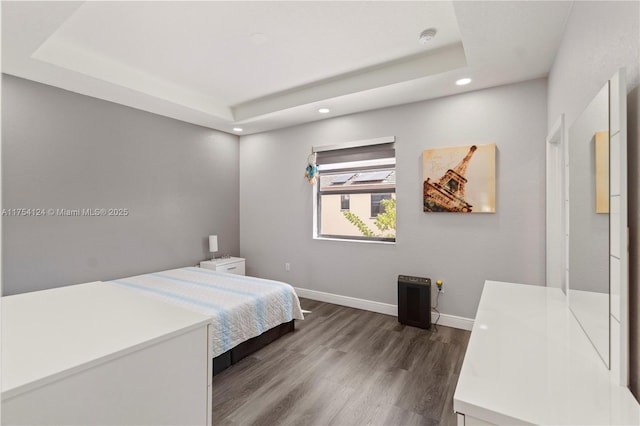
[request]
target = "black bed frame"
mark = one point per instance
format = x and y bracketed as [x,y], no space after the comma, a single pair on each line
[252,345]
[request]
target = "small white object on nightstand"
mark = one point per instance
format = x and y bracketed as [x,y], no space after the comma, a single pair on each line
[230,265]
[213,244]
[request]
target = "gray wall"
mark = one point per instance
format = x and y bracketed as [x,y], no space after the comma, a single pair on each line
[601,37]
[463,250]
[64,150]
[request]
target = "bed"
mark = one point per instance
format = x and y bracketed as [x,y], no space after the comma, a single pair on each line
[248,313]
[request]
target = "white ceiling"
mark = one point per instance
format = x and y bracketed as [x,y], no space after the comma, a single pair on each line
[264,65]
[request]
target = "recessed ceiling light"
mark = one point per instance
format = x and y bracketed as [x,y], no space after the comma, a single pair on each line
[463,81]
[427,35]
[324,110]
[237,129]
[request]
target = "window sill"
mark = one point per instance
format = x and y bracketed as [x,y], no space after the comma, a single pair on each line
[346,240]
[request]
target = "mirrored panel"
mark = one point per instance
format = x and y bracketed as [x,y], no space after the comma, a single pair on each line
[588,151]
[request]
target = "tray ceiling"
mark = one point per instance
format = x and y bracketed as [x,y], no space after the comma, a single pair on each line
[264,65]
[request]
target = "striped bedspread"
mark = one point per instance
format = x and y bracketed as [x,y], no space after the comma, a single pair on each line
[241,307]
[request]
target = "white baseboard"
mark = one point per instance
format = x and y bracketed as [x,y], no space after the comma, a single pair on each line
[379,307]
[352,302]
[453,321]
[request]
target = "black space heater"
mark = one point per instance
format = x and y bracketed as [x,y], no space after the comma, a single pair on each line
[414,301]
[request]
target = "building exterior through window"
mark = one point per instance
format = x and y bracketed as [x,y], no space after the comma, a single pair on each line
[355,191]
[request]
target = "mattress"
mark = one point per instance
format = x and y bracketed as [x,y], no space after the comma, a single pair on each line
[241,307]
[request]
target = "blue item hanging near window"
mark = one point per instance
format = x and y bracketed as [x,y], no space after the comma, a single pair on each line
[311,173]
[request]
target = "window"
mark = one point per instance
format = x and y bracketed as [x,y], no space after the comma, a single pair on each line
[376,206]
[344,202]
[355,192]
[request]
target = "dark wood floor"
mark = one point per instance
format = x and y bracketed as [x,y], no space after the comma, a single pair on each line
[344,366]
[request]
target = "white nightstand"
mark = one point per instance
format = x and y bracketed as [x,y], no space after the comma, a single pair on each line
[230,265]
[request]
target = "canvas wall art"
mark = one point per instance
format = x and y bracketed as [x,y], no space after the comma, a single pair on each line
[460,179]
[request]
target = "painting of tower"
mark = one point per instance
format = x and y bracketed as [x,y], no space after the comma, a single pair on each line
[459,179]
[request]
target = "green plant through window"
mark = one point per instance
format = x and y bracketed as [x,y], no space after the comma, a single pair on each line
[355,192]
[385,220]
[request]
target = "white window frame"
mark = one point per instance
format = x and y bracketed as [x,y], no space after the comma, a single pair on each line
[356,166]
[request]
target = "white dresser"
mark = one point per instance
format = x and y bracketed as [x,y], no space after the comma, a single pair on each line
[529,362]
[230,265]
[96,353]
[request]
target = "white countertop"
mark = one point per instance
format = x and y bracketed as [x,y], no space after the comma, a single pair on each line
[529,362]
[49,334]
[591,309]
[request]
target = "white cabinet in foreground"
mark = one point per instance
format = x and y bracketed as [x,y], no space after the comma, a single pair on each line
[96,354]
[529,362]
